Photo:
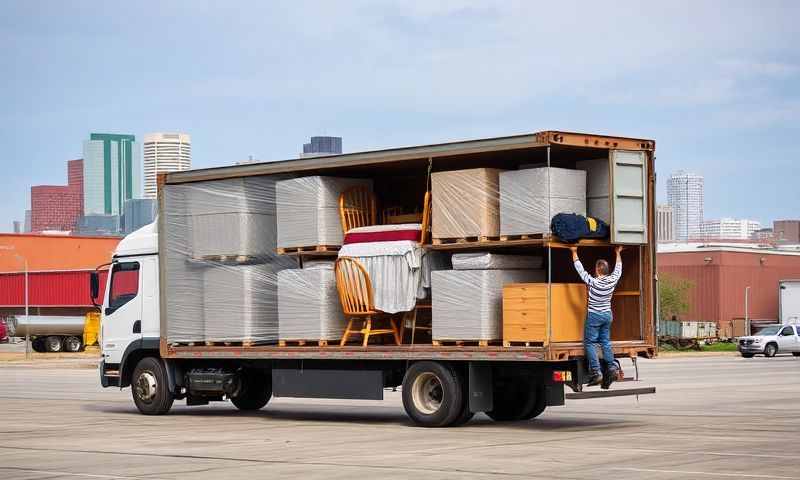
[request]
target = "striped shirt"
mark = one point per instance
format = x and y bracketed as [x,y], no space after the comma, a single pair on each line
[600,288]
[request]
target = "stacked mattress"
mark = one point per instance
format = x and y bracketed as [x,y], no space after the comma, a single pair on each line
[453,217]
[530,198]
[308,304]
[494,261]
[308,210]
[468,304]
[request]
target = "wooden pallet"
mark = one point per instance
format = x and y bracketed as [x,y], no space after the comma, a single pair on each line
[513,343]
[307,343]
[532,236]
[244,343]
[307,249]
[445,241]
[463,343]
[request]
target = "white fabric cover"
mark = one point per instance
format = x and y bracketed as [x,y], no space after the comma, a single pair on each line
[308,304]
[308,210]
[598,185]
[494,261]
[530,198]
[468,304]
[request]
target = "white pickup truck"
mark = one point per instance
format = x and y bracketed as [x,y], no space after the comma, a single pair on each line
[771,340]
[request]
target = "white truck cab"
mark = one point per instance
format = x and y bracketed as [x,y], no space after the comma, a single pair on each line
[771,340]
[130,309]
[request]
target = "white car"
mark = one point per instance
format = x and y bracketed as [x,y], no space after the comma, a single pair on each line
[771,340]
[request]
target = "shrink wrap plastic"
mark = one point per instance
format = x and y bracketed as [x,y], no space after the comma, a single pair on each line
[308,210]
[468,304]
[465,203]
[494,261]
[530,198]
[308,303]
[220,261]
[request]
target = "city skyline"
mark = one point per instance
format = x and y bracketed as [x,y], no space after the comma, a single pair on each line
[717,102]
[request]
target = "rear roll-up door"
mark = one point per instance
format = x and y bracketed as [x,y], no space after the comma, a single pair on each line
[629,197]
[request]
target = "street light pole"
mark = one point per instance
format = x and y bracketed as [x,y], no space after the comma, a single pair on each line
[746,309]
[28,353]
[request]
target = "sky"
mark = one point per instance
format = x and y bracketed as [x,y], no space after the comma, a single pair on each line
[715,83]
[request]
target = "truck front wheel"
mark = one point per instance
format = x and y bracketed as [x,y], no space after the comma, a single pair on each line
[433,394]
[255,390]
[150,388]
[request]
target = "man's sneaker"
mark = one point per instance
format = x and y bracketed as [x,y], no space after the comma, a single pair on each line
[609,378]
[595,379]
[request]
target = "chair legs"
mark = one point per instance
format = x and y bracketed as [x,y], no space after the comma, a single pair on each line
[367,330]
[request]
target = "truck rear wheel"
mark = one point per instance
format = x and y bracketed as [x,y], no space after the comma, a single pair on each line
[255,390]
[516,399]
[150,388]
[53,343]
[433,395]
[72,344]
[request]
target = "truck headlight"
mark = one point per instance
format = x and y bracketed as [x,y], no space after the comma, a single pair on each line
[756,340]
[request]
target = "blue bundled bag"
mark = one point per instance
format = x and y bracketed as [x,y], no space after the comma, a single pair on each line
[571,227]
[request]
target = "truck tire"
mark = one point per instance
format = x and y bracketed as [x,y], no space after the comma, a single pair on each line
[516,399]
[38,345]
[255,391]
[72,344]
[149,387]
[770,350]
[433,395]
[53,343]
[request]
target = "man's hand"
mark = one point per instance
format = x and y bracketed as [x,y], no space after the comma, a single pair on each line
[574,251]
[618,249]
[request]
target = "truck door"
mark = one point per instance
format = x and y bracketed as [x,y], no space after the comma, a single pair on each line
[122,315]
[789,301]
[628,197]
[786,340]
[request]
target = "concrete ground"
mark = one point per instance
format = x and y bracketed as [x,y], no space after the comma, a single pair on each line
[713,417]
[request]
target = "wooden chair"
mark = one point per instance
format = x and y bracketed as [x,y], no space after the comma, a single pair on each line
[357,208]
[355,294]
[426,219]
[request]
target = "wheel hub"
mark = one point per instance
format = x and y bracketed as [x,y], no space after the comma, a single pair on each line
[146,387]
[427,393]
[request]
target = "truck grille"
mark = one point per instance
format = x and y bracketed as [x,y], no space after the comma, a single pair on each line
[745,342]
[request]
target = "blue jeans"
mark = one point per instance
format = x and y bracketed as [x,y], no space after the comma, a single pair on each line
[597,332]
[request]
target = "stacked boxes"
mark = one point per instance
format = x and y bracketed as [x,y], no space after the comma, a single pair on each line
[465,203]
[530,198]
[468,304]
[308,304]
[308,210]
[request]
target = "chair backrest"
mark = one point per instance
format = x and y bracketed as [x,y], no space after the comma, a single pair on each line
[426,219]
[357,208]
[354,286]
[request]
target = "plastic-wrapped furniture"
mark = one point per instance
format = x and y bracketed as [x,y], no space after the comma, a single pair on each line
[308,305]
[453,217]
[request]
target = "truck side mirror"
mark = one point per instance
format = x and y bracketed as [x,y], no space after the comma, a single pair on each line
[94,286]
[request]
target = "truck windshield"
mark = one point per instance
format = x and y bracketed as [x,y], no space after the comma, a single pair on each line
[769,330]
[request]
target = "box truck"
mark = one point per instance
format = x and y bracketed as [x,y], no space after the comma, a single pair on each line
[179,309]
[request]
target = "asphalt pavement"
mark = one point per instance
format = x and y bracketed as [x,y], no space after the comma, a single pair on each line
[714,417]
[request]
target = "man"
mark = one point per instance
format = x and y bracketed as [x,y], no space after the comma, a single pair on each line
[597,328]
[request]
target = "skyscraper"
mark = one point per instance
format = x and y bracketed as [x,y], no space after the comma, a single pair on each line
[58,207]
[112,173]
[164,152]
[685,196]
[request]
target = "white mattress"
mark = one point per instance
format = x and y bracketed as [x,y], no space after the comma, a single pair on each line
[494,261]
[468,304]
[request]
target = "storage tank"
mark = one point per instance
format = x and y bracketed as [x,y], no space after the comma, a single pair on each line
[36,325]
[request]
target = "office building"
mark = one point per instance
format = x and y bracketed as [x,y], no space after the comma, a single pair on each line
[728,229]
[58,207]
[321,146]
[27,221]
[665,224]
[112,173]
[138,213]
[685,196]
[17,226]
[786,231]
[763,235]
[164,152]
[99,225]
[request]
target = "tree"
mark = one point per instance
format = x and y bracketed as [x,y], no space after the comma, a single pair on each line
[673,294]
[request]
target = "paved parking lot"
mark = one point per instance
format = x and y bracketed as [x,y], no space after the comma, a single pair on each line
[713,417]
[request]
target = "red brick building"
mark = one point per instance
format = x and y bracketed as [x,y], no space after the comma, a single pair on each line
[58,207]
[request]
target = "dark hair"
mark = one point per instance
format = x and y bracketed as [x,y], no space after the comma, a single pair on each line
[602,266]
